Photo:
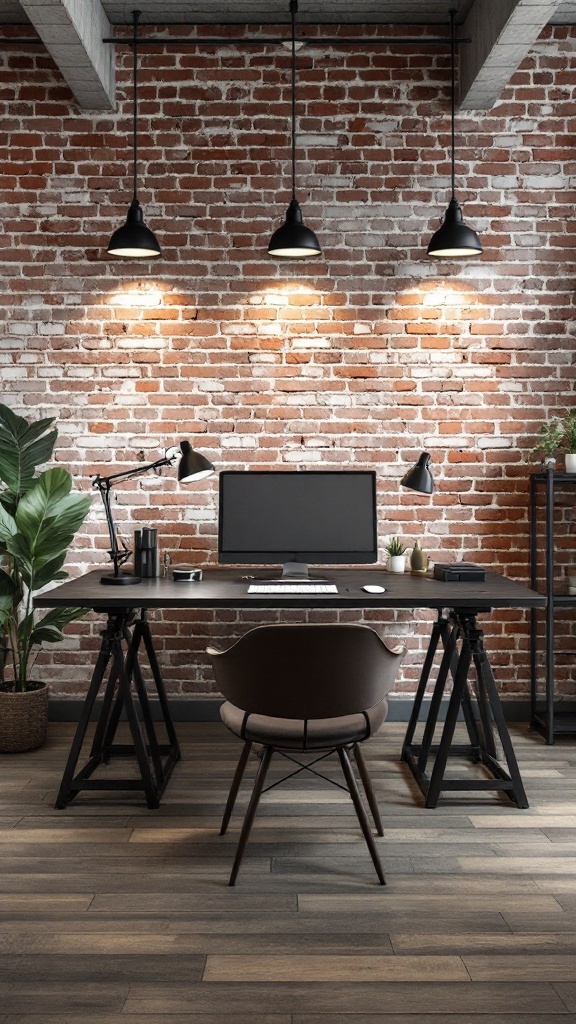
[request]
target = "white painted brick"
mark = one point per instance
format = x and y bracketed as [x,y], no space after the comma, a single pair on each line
[302,456]
[238,441]
[310,341]
[494,442]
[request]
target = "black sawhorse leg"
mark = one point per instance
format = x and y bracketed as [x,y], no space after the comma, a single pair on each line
[461,626]
[155,760]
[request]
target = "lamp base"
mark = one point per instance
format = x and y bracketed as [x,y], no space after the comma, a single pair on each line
[123,579]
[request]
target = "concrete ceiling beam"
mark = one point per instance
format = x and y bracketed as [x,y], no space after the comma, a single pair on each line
[502,33]
[72,31]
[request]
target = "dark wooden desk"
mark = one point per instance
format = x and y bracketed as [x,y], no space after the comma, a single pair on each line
[458,606]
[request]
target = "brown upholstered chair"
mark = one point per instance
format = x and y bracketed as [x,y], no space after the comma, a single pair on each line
[305,688]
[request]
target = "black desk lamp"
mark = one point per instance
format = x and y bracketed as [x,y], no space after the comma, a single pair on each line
[192,466]
[419,478]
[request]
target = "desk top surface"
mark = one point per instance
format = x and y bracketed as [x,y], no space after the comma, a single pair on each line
[228,588]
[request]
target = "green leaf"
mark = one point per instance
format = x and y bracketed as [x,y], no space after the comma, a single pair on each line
[6,611]
[47,571]
[48,515]
[9,501]
[23,447]
[8,587]
[49,628]
[60,617]
[7,525]
[46,635]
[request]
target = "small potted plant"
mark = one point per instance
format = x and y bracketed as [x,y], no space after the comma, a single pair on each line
[396,556]
[38,519]
[550,439]
[569,441]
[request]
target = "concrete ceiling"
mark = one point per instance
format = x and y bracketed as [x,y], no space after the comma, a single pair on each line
[500,32]
[268,11]
[391,12]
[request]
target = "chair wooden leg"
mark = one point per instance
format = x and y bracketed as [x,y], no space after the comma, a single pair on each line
[360,812]
[368,788]
[251,812]
[238,775]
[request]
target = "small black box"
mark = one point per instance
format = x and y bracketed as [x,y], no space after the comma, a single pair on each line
[184,574]
[459,572]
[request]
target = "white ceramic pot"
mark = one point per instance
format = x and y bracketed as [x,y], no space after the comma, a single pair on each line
[570,461]
[397,563]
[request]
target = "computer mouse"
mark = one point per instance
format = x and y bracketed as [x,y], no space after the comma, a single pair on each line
[372,588]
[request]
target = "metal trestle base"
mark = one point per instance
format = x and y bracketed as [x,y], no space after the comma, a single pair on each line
[463,645]
[125,691]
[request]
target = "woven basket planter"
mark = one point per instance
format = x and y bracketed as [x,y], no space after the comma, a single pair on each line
[23,719]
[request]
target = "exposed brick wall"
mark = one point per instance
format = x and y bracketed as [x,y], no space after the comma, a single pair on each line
[360,359]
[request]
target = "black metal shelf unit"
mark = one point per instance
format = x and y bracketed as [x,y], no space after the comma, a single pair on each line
[544,716]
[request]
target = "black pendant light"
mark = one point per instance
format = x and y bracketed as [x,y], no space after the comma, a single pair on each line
[454,240]
[294,240]
[134,240]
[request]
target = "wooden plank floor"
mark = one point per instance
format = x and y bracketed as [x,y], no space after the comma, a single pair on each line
[113,914]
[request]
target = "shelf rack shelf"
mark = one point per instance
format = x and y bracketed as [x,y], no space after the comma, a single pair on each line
[545,716]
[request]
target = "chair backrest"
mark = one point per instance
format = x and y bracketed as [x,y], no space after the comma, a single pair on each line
[306,671]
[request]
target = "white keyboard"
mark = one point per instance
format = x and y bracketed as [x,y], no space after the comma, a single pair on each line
[292,588]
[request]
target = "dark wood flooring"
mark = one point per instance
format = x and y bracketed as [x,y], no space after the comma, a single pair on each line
[114,914]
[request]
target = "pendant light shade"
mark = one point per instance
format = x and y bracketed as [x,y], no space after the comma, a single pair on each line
[454,239]
[293,240]
[134,240]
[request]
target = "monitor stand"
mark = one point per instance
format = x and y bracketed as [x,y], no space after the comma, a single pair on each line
[296,572]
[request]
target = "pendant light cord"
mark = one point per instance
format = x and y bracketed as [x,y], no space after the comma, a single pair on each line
[293,9]
[453,94]
[135,16]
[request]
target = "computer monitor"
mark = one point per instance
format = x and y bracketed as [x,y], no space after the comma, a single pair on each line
[292,518]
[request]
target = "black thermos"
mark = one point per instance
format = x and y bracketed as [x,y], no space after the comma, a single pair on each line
[146,554]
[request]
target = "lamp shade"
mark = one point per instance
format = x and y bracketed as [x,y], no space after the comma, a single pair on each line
[293,240]
[134,240]
[193,465]
[454,239]
[419,478]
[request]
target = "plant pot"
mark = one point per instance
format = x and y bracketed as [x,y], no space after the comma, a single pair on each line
[23,719]
[570,462]
[397,563]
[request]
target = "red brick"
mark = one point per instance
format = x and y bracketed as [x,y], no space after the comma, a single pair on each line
[371,347]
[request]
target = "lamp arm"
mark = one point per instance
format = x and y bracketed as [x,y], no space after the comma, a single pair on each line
[108,480]
[118,554]
[121,553]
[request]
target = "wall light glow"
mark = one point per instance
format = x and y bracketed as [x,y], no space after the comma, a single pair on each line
[442,294]
[287,292]
[137,295]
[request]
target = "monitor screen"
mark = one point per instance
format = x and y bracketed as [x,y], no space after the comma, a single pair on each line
[326,517]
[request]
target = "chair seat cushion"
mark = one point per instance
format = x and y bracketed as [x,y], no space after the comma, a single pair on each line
[294,734]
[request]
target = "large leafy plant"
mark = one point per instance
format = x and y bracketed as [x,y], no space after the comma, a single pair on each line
[38,520]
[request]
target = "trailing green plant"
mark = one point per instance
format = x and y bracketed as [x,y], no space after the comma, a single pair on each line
[395,547]
[38,520]
[569,439]
[550,439]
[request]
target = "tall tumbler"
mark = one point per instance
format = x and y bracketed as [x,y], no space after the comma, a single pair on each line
[146,554]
